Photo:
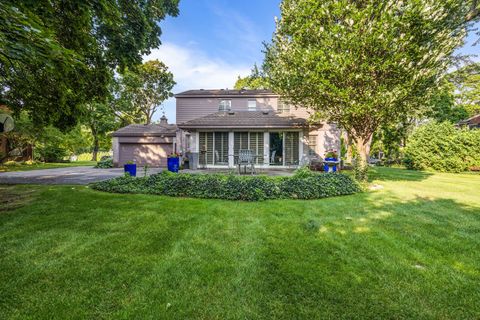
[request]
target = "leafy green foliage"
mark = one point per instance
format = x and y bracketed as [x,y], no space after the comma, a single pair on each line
[442,147]
[256,80]
[101,120]
[362,64]
[56,56]
[304,185]
[467,84]
[140,91]
[50,152]
[105,164]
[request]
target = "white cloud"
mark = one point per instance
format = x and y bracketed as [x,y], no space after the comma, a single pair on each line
[193,69]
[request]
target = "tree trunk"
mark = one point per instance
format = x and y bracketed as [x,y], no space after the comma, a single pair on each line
[95,145]
[348,143]
[361,164]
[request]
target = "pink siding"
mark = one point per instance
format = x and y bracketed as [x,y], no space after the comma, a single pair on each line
[192,108]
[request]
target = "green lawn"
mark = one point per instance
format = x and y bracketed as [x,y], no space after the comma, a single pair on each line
[39,166]
[410,250]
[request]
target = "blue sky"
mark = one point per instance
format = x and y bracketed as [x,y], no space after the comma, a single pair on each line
[212,42]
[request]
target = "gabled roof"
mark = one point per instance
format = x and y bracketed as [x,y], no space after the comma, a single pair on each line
[244,119]
[225,93]
[146,130]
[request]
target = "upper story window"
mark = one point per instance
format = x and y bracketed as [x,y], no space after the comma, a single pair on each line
[252,105]
[225,105]
[283,107]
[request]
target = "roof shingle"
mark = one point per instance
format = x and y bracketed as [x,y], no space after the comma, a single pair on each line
[225,93]
[245,119]
[146,130]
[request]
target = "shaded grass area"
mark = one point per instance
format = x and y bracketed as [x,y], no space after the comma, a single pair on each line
[409,250]
[44,165]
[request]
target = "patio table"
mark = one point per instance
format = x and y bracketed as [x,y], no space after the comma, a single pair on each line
[254,159]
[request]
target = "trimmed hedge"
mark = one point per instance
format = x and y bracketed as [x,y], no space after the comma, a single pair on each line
[442,147]
[234,187]
[105,164]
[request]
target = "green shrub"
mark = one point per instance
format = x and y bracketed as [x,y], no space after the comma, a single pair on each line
[233,187]
[51,153]
[442,147]
[104,164]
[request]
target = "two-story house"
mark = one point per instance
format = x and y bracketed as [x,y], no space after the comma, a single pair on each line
[215,124]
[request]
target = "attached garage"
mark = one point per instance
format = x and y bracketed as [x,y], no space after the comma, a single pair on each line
[144,144]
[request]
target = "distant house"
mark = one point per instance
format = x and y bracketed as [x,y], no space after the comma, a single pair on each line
[471,123]
[216,124]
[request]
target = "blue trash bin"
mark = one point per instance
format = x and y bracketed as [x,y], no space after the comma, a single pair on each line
[131,169]
[326,165]
[173,164]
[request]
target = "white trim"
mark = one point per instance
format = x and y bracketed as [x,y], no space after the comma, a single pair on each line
[301,140]
[231,159]
[266,148]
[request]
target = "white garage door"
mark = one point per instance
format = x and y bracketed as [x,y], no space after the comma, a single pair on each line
[151,154]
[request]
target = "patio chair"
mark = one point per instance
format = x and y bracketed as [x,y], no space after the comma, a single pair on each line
[246,158]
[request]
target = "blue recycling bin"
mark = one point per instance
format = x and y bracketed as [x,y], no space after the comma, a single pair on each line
[173,164]
[131,169]
[327,165]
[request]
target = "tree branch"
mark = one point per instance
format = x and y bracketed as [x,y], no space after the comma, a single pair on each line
[474,11]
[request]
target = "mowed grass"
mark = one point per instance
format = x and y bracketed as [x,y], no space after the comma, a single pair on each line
[410,250]
[44,165]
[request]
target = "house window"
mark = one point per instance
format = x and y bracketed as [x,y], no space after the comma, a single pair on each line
[283,107]
[312,145]
[249,140]
[252,105]
[213,148]
[225,105]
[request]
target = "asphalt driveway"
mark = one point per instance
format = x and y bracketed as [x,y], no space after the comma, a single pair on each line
[71,175]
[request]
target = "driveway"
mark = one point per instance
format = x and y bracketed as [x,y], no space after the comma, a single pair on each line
[71,175]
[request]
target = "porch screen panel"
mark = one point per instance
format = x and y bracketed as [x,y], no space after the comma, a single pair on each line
[240,141]
[291,148]
[206,148]
[221,148]
[256,144]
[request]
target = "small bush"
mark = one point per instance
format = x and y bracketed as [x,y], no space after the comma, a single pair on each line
[442,147]
[51,153]
[104,164]
[233,187]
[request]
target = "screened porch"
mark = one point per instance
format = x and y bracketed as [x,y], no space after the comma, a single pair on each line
[271,148]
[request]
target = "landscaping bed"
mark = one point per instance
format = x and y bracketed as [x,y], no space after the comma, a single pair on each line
[303,185]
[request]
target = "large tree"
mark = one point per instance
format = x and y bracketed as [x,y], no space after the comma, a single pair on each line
[56,55]
[362,64]
[140,91]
